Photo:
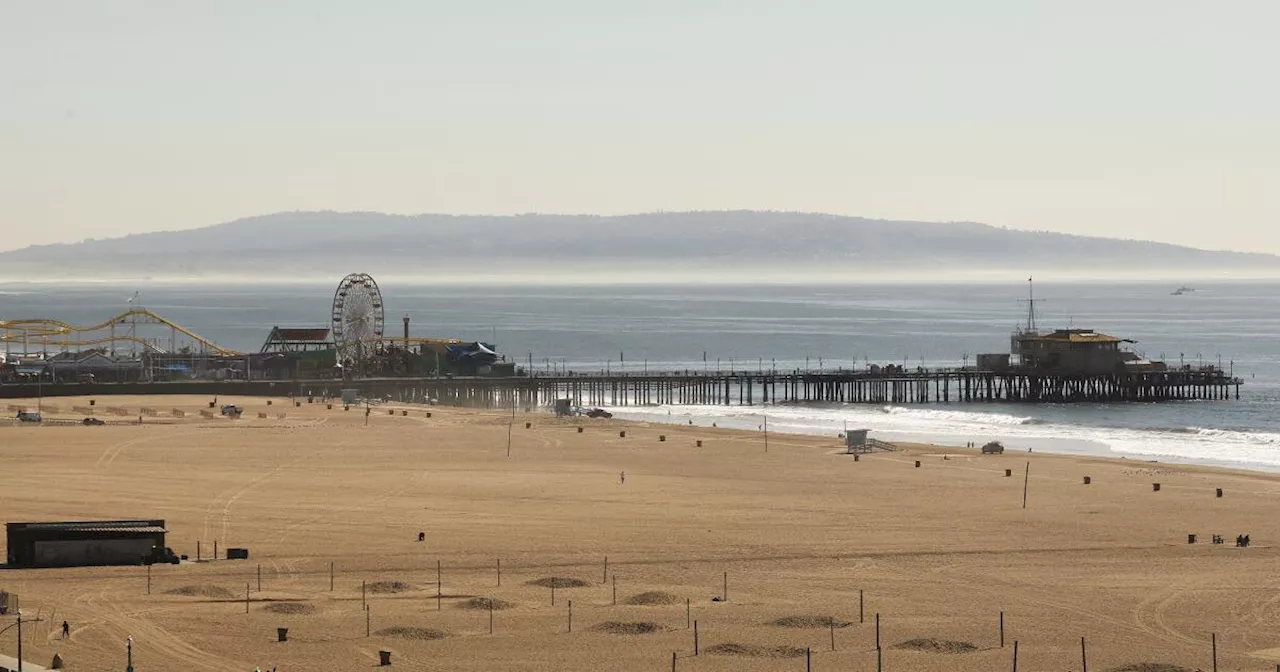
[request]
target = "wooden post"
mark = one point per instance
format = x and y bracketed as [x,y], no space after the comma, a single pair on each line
[673,661]
[491,617]
[615,590]
[246,598]
[1002,629]
[1084,657]
[499,572]
[808,658]
[1215,652]
[1025,480]
[364,603]
[570,615]
[688,613]
[197,550]
[553,591]
[215,549]
[438,587]
[860,618]
[724,596]
[832,623]
[695,638]
[1015,655]
[368,621]
[259,577]
[148,579]
[331,576]
[877,632]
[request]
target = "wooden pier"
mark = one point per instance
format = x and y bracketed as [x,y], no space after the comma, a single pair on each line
[740,388]
[762,387]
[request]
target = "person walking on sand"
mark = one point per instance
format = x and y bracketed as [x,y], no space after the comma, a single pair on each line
[622,478]
[66,630]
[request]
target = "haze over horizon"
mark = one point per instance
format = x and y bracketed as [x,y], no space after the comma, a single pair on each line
[1145,120]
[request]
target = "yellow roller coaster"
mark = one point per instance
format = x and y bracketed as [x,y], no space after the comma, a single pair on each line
[43,333]
[58,334]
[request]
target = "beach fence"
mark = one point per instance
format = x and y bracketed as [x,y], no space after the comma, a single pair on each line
[178,413]
[855,648]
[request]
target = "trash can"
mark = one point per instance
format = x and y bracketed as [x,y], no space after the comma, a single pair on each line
[384,658]
[1088,480]
[622,434]
[699,443]
[282,634]
[1155,487]
[917,463]
[1219,492]
[579,430]
[1008,473]
[662,437]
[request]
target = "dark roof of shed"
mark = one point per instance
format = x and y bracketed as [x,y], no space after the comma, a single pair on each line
[310,335]
[131,526]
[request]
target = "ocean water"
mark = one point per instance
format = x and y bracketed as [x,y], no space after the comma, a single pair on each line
[668,327]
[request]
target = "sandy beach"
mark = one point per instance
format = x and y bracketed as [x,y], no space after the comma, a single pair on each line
[798,536]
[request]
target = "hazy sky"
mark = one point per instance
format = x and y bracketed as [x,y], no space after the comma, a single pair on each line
[1145,119]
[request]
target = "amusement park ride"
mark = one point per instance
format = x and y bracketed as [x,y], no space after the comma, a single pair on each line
[358,344]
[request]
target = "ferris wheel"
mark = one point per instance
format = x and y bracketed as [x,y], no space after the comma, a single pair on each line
[357,316]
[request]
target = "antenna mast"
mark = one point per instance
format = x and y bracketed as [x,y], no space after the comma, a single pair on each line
[1031,306]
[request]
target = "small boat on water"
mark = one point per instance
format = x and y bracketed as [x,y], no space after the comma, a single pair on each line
[1182,290]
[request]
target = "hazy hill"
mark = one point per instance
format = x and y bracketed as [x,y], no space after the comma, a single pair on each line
[325,244]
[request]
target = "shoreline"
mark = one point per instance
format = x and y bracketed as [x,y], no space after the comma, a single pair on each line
[1014,437]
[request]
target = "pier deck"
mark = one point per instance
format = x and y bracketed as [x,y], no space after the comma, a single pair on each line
[744,388]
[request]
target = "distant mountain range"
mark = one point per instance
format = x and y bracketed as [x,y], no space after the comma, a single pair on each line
[749,244]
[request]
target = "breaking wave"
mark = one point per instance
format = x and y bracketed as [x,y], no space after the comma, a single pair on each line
[1238,448]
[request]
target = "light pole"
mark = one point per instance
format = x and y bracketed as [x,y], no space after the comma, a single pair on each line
[129,647]
[19,626]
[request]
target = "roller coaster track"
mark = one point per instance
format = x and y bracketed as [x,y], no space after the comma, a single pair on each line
[59,334]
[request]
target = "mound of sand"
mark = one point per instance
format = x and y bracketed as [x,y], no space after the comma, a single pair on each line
[734,649]
[824,622]
[486,603]
[558,582]
[628,627]
[406,632]
[931,645]
[203,591]
[1150,667]
[654,597]
[290,608]
[389,587]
